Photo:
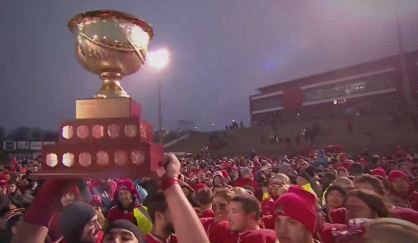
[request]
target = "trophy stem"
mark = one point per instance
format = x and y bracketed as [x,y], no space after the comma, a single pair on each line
[111,86]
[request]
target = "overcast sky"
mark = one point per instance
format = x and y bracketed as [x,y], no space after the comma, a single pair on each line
[221,51]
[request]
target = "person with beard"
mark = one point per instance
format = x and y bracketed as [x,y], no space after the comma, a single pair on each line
[126,198]
[79,224]
[295,213]
[244,215]
[163,229]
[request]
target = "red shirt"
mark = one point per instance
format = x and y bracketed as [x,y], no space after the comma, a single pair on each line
[208,213]
[405,214]
[258,235]
[267,206]
[220,232]
[150,238]
[267,222]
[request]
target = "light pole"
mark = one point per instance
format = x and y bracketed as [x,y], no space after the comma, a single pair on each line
[159,59]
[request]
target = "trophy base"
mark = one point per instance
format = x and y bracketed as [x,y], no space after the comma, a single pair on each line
[137,160]
[107,108]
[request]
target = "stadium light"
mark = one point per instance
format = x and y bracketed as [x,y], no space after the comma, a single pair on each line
[159,59]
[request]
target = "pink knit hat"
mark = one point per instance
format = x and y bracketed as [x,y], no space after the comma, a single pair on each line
[298,204]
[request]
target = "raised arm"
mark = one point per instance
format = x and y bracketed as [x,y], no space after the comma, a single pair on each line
[187,225]
[34,228]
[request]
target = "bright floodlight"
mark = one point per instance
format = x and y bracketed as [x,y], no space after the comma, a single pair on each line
[158,59]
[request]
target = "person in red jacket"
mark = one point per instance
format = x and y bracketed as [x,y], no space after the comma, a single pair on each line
[163,229]
[244,215]
[204,201]
[127,208]
[296,216]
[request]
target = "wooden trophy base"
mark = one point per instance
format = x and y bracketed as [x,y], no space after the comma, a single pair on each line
[108,139]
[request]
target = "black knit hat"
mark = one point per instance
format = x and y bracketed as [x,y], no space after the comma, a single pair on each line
[127,225]
[73,219]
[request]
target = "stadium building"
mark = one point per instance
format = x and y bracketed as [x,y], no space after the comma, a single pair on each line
[374,87]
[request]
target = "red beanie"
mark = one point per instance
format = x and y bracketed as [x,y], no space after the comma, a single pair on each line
[298,204]
[396,174]
[126,184]
[379,172]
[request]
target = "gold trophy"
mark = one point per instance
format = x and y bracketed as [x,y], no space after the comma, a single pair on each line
[108,138]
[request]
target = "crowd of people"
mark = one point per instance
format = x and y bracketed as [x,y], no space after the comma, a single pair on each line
[326,196]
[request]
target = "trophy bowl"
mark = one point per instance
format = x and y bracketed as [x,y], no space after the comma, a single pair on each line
[111,44]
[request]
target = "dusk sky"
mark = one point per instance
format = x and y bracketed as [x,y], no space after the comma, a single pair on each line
[221,51]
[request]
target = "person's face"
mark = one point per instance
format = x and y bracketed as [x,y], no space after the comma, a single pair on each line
[67,199]
[201,175]
[125,197]
[401,186]
[220,208]
[25,182]
[335,199]
[117,235]
[12,188]
[237,217]
[91,231]
[275,186]
[289,230]
[268,171]
[356,208]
